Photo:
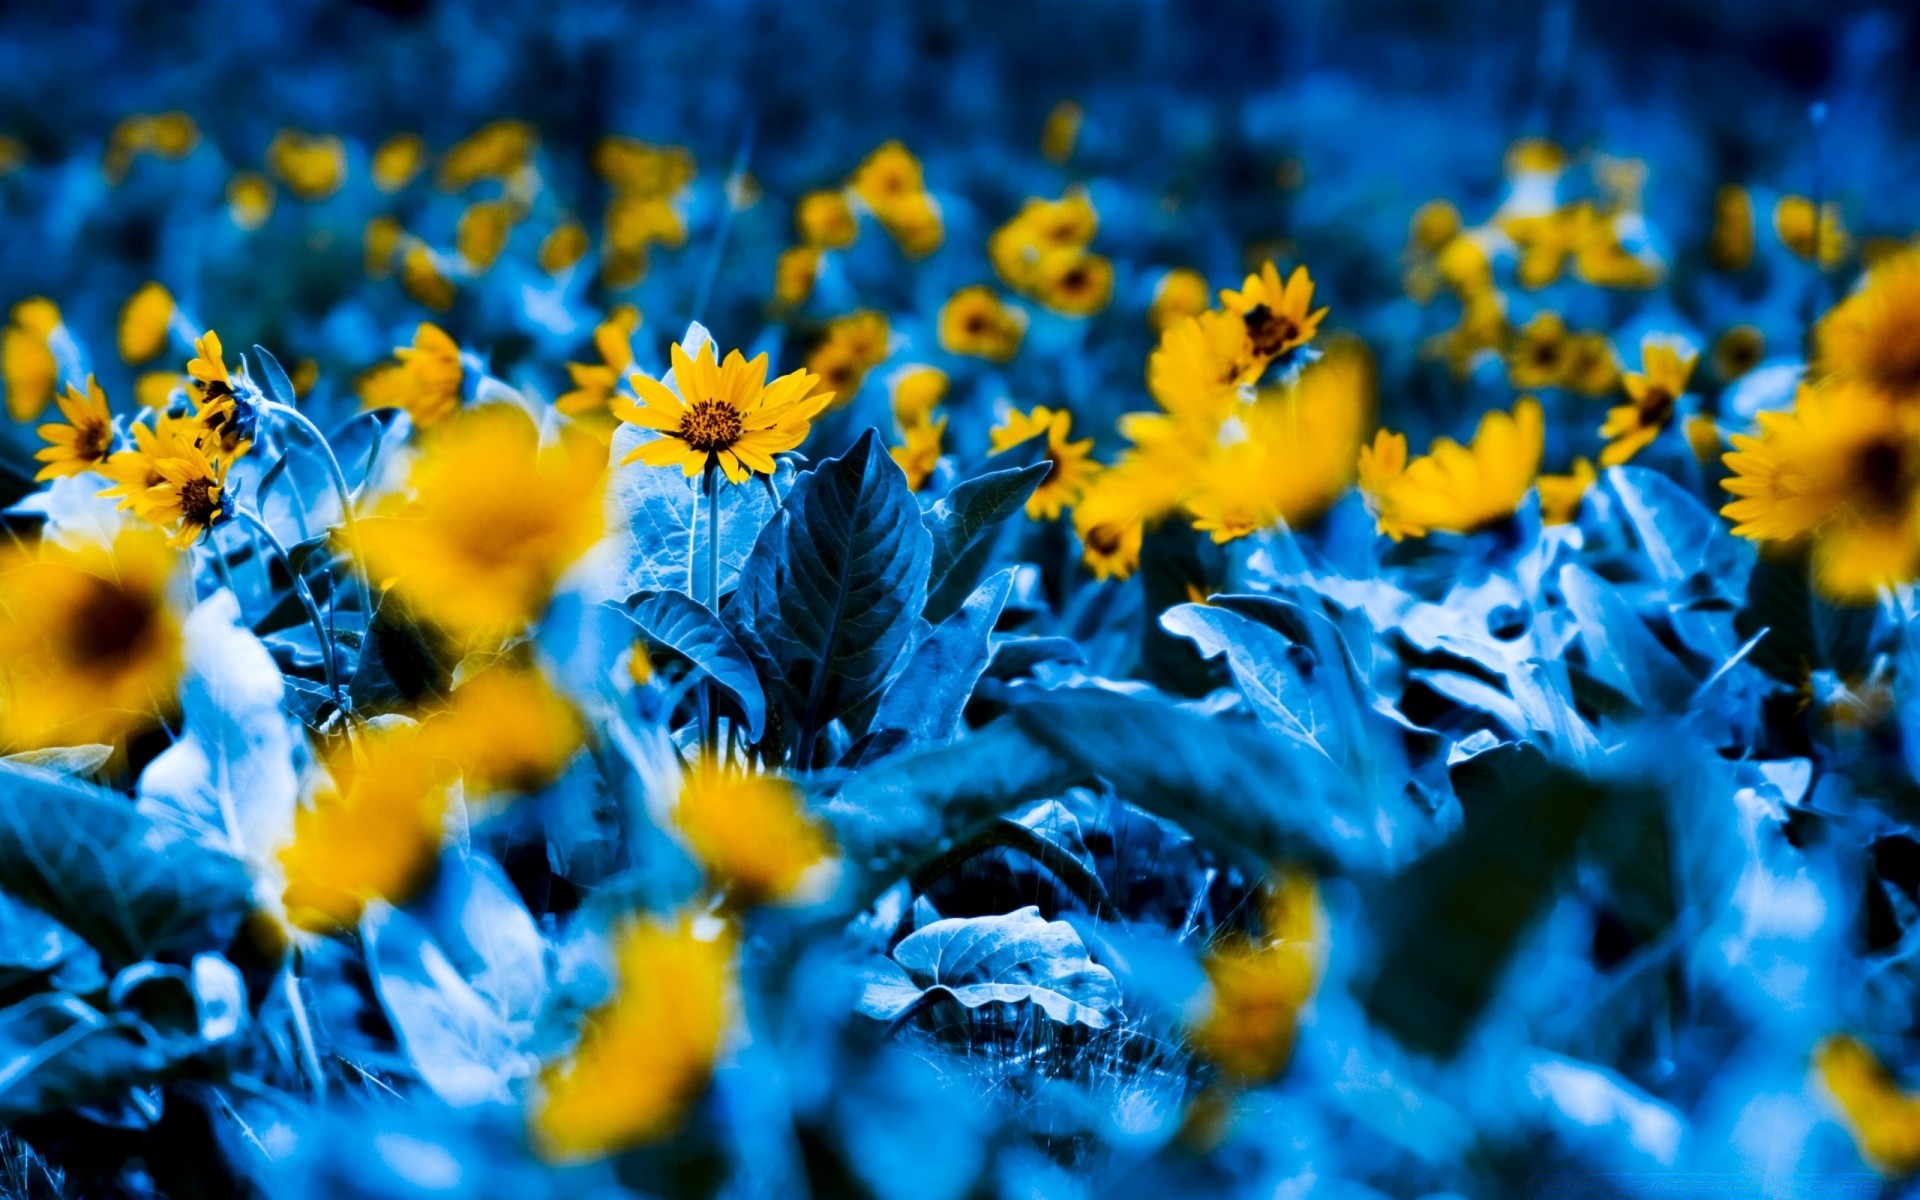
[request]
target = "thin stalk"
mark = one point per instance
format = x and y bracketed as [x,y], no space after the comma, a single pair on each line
[307,602]
[302,1027]
[710,711]
[297,418]
[220,566]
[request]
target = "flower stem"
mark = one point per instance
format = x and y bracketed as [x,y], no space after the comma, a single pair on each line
[711,715]
[294,416]
[302,1027]
[307,602]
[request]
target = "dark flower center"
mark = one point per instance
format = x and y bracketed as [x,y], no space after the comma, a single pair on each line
[1104,539]
[94,442]
[1885,473]
[1656,408]
[198,504]
[1270,332]
[108,624]
[712,425]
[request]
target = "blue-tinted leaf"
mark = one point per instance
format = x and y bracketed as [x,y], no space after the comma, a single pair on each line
[658,524]
[278,385]
[689,628]
[58,1053]
[489,935]
[835,584]
[961,519]
[1015,958]
[927,697]
[460,1046]
[33,944]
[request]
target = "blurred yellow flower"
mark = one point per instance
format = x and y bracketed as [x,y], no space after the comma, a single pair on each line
[1560,495]
[398,160]
[1070,464]
[89,641]
[646,1055]
[425,379]
[975,323]
[494,151]
[488,524]
[1737,351]
[891,184]
[1538,356]
[640,168]
[564,246]
[825,220]
[1592,368]
[1653,391]
[1073,283]
[1883,1118]
[26,357]
[216,405]
[1200,364]
[482,233]
[794,274]
[1730,244]
[1874,334]
[1454,488]
[1842,467]
[916,392]
[144,322]
[1042,228]
[723,415]
[250,199]
[372,831]
[313,166]
[1061,131]
[595,383]
[506,730]
[1257,987]
[919,452]
[422,278]
[85,441]
[1181,293]
[1809,236]
[171,135]
[851,346]
[379,242]
[752,834]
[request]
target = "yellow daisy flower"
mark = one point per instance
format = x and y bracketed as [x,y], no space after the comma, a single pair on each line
[218,406]
[1256,988]
[191,494]
[794,274]
[1874,334]
[136,471]
[752,834]
[725,416]
[482,233]
[85,441]
[916,392]
[313,166]
[1560,495]
[1736,352]
[1071,466]
[89,641]
[1538,356]
[397,161]
[422,278]
[1454,488]
[425,379]
[1277,317]
[564,246]
[250,199]
[825,221]
[976,324]
[1181,293]
[1883,1118]
[1073,283]
[1200,364]
[853,345]
[144,322]
[506,730]
[1653,392]
[919,452]
[595,383]
[1809,234]
[26,357]
[1730,244]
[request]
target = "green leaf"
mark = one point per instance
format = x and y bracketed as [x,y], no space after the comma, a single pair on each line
[691,629]
[132,887]
[960,521]
[829,598]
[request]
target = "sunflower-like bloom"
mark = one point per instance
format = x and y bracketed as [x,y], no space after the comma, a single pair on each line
[371,833]
[136,471]
[892,185]
[313,166]
[85,441]
[916,392]
[1812,233]
[1070,465]
[1061,131]
[1654,391]
[752,834]
[1842,467]
[919,451]
[397,161]
[1883,1118]
[1730,245]
[1256,988]
[250,199]
[482,233]
[1199,366]
[595,383]
[26,357]
[507,731]
[191,494]
[1074,283]
[565,245]
[488,524]
[853,345]
[646,1055]
[724,415]
[795,273]
[1181,293]
[1277,318]
[424,378]
[975,323]
[1560,495]
[825,221]
[422,278]
[227,417]
[144,322]
[1736,352]
[89,641]
[1874,334]
[1293,451]
[1455,488]
[1538,356]
[1042,229]
[496,150]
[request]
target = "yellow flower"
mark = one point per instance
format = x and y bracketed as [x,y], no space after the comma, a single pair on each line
[1560,495]
[156,389]
[506,730]
[249,199]
[975,323]
[1799,230]
[1455,488]
[919,453]
[494,151]
[1041,228]
[1538,356]
[1277,318]
[166,135]
[422,278]
[794,274]
[1534,156]
[372,832]
[89,643]
[915,224]
[1291,453]
[639,662]
[1256,989]
[637,167]
[489,522]
[85,441]
[397,160]
[379,242]
[26,357]
[1737,351]
[425,380]
[888,178]
[1073,283]
[917,391]
[191,494]
[1432,226]
[1109,543]
[566,245]
[1730,245]
[482,233]
[752,834]
[1062,130]
[1883,1119]
[1874,334]
[594,383]
[1592,369]
[724,415]
[1070,464]
[312,166]
[646,1055]
[1654,390]
[135,472]
[1181,293]
[1842,467]
[853,345]
[144,321]
[636,221]
[825,220]
[1197,369]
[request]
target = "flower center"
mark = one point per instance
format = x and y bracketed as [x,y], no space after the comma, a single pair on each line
[1104,539]
[108,624]
[710,425]
[198,503]
[1884,473]
[1656,407]
[94,442]
[1271,332]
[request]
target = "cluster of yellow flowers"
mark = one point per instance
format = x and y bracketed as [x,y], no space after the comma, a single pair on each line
[891,186]
[917,391]
[848,348]
[1042,253]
